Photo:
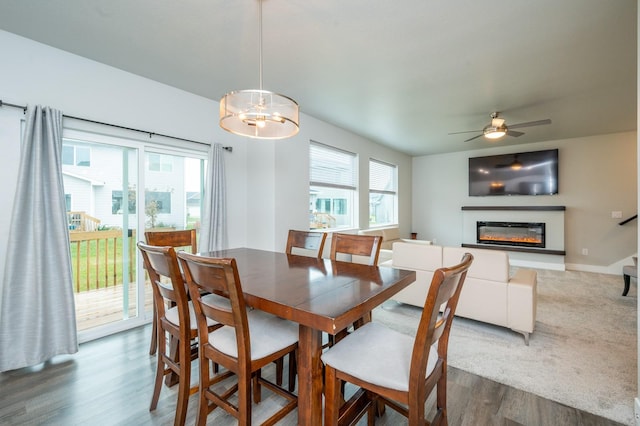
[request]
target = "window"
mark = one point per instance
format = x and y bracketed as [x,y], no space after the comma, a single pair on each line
[332,190]
[383,200]
[67,202]
[160,201]
[160,162]
[75,155]
[117,204]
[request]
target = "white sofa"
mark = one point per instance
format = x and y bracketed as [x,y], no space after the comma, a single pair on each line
[489,294]
[389,236]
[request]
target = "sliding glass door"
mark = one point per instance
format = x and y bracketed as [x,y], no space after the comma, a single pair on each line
[107,215]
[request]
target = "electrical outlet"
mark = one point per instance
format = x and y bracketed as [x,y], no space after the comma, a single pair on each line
[585,252]
[434,241]
[616,215]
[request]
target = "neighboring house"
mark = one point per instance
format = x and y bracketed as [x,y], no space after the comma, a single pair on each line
[93,181]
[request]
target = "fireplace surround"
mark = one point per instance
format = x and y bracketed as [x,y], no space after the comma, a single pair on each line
[551,256]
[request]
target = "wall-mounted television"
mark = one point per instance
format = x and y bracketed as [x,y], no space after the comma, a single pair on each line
[522,173]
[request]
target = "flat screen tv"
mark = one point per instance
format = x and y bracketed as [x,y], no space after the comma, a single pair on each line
[523,173]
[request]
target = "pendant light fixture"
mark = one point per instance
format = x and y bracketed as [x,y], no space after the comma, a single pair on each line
[259,113]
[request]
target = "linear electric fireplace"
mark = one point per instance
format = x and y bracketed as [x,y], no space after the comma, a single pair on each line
[525,234]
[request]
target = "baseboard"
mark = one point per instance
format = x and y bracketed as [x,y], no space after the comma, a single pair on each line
[592,268]
[537,265]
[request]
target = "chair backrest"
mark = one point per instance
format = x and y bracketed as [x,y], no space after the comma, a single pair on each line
[306,240]
[181,238]
[219,276]
[166,279]
[444,291]
[358,245]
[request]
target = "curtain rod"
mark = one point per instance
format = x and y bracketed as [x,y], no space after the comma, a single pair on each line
[24,109]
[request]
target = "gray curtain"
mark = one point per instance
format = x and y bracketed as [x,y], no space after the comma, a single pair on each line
[213,231]
[37,316]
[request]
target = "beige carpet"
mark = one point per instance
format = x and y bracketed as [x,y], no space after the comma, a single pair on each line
[583,352]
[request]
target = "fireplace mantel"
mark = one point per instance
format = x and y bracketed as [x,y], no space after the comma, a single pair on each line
[516,208]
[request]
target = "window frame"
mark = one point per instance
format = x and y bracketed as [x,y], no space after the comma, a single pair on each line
[375,190]
[338,179]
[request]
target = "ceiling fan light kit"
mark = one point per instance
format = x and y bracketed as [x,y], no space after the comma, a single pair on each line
[491,132]
[498,129]
[259,114]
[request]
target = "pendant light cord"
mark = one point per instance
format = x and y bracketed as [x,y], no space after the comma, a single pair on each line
[260,39]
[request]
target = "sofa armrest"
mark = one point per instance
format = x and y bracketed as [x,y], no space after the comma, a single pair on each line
[388,263]
[385,256]
[522,296]
[404,240]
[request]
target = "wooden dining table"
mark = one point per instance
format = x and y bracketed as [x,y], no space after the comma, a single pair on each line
[321,296]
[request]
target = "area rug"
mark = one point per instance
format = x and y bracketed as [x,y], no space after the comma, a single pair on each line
[583,352]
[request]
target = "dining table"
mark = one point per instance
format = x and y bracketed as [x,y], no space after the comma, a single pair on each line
[320,295]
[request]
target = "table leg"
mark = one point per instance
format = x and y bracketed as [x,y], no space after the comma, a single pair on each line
[309,376]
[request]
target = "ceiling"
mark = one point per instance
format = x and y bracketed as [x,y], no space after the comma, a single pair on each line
[402,73]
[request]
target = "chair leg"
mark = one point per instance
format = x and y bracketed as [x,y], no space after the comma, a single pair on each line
[257,389]
[203,402]
[244,399]
[154,333]
[441,401]
[184,383]
[627,281]
[293,370]
[160,364]
[158,384]
[279,368]
[332,397]
[174,354]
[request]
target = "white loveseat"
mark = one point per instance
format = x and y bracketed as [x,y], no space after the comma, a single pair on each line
[489,294]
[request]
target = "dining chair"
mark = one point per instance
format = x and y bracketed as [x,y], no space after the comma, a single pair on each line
[249,340]
[180,238]
[178,322]
[363,249]
[301,243]
[395,369]
[306,242]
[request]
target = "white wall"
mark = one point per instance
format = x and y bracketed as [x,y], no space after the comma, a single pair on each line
[597,175]
[267,181]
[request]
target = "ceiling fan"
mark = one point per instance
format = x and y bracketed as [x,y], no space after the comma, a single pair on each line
[497,128]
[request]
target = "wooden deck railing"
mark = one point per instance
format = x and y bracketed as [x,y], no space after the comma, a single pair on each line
[80,221]
[97,258]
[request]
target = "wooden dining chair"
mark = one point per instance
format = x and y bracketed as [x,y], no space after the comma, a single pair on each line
[178,322]
[393,368]
[366,248]
[305,242]
[177,239]
[363,249]
[249,340]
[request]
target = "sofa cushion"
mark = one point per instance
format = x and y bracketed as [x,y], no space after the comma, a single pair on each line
[491,265]
[391,234]
[417,256]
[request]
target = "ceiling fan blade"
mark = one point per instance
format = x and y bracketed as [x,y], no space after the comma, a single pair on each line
[514,133]
[466,131]
[475,137]
[529,124]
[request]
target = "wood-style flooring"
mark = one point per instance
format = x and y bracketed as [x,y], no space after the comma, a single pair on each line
[110,380]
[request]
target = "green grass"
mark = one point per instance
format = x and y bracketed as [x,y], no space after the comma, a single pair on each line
[98,271]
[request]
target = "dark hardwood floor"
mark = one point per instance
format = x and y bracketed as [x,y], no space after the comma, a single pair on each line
[109,382]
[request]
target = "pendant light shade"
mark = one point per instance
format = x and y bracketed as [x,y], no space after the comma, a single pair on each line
[259,113]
